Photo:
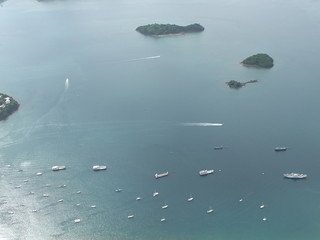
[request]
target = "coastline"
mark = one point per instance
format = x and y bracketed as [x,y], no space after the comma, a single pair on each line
[253,65]
[169,35]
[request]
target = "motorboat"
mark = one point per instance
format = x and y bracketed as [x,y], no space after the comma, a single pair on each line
[99,168]
[58,168]
[295,175]
[161,175]
[206,172]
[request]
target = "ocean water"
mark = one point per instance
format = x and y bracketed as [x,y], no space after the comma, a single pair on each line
[137,104]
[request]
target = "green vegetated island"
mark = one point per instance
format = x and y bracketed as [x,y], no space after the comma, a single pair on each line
[236,84]
[168,29]
[8,105]
[258,60]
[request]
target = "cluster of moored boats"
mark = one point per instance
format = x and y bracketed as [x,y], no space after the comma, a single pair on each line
[203,172]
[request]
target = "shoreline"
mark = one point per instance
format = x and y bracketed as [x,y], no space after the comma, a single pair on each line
[253,65]
[169,35]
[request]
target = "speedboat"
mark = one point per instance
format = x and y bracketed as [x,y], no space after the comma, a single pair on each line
[262,206]
[93,206]
[78,192]
[77,220]
[98,168]
[138,198]
[39,173]
[45,195]
[155,194]
[264,219]
[58,168]
[60,200]
[190,199]
[241,200]
[206,172]
[118,190]
[165,206]
[162,219]
[131,216]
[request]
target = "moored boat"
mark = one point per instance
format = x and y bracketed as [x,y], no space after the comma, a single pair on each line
[98,168]
[206,172]
[280,149]
[161,175]
[295,175]
[58,168]
[218,147]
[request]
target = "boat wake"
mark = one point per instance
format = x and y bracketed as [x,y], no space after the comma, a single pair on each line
[202,124]
[66,84]
[140,59]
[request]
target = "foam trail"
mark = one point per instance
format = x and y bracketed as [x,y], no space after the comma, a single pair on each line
[144,58]
[66,84]
[203,124]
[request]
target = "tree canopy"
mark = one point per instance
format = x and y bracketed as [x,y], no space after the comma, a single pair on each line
[7,106]
[165,29]
[260,60]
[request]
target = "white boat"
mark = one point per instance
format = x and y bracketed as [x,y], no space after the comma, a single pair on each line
[162,219]
[77,204]
[58,168]
[131,216]
[78,192]
[161,175]
[210,210]
[118,190]
[77,220]
[39,173]
[155,194]
[280,149]
[34,210]
[205,172]
[241,200]
[98,168]
[262,206]
[190,199]
[45,195]
[165,206]
[295,175]
[138,198]
[60,200]
[264,219]
[93,206]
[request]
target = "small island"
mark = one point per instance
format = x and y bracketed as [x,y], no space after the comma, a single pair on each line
[236,85]
[258,60]
[168,29]
[7,106]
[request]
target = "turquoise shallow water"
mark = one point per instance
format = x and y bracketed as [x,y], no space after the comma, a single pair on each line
[128,111]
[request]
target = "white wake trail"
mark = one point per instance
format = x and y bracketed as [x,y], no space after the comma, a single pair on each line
[140,59]
[202,124]
[66,84]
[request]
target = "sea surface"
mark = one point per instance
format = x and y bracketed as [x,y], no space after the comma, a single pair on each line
[143,105]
